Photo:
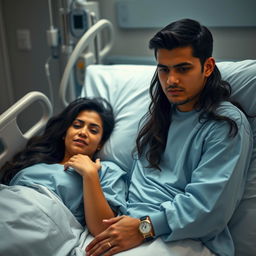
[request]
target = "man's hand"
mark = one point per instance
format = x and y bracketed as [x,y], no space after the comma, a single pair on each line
[122,234]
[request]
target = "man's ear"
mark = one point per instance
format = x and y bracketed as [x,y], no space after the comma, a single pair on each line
[209,66]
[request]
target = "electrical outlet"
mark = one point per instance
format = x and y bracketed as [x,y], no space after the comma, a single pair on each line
[23,39]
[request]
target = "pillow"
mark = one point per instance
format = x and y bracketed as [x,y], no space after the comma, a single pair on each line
[126,88]
[242,77]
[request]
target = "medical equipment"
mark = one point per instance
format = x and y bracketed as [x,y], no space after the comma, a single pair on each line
[78,22]
[126,88]
[75,18]
[89,37]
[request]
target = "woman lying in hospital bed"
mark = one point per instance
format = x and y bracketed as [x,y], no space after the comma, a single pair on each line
[58,172]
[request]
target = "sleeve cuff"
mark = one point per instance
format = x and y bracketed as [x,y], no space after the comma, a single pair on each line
[160,224]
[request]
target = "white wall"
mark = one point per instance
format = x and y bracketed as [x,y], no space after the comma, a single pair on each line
[229,43]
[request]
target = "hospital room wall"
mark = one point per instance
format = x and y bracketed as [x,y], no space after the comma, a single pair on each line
[6,98]
[26,66]
[229,43]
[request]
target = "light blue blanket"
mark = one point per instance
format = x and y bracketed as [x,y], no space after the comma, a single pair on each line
[34,222]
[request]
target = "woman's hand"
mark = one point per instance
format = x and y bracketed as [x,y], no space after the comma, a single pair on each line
[83,164]
[96,207]
[122,234]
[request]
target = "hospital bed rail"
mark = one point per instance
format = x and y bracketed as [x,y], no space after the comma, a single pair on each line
[11,136]
[90,36]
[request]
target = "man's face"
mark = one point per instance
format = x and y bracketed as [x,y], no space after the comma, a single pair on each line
[181,76]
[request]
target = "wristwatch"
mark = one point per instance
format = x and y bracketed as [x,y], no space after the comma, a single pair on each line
[146,228]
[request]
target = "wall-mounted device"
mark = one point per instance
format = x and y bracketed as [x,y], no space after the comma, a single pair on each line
[79,22]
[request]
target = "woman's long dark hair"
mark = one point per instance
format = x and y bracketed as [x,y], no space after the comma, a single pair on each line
[49,147]
[152,137]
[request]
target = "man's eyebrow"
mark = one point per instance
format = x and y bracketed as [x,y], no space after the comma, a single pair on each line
[182,64]
[161,66]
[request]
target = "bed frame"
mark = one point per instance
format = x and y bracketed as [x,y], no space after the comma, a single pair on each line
[11,137]
[97,57]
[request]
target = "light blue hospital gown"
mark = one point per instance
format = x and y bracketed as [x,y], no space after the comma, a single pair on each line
[68,185]
[41,213]
[202,179]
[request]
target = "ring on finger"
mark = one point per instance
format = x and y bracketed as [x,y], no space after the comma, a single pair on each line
[109,245]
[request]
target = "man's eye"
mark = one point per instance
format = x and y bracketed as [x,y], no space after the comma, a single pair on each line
[165,70]
[183,69]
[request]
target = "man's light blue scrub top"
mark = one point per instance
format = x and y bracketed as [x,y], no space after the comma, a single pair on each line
[202,179]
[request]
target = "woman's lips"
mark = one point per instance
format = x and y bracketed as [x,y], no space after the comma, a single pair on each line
[81,142]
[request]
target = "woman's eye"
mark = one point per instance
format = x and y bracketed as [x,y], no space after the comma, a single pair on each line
[76,126]
[94,131]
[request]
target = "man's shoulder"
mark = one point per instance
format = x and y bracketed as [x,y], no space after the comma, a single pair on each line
[231,111]
[228,109]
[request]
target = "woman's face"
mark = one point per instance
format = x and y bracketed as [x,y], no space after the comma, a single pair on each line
[84,135]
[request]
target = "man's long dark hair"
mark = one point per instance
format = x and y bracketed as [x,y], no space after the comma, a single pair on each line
[49,147]
[152,137]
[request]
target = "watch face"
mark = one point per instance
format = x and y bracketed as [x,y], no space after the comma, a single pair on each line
[145,227]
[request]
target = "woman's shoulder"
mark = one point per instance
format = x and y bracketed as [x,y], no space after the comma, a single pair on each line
[42,167]
[35,172]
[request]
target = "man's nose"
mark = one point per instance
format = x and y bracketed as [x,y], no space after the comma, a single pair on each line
[172,78]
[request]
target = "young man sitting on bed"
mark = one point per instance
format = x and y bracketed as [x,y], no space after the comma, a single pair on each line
[193,152]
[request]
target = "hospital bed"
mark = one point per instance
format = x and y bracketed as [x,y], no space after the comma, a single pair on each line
[126,88]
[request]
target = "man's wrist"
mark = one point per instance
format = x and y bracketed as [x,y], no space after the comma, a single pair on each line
[146,228]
